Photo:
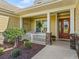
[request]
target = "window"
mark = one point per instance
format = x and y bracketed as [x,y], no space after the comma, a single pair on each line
[41,26]
[44,26]
[38,26]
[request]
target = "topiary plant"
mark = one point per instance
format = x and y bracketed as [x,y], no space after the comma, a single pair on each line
[27,44]
[15,53]
[1,51]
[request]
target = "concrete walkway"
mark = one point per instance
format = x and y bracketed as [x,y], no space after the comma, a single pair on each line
[59,50]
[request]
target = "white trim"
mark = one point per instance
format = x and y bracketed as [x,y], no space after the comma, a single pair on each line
[38,20]
[35,25]
[21,22]
[72,20]
[48,22]
[56,26]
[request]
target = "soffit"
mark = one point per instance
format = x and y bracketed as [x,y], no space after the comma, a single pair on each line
[49,6]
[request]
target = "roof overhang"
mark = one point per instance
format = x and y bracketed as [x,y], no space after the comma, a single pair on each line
[8,12]
[51,7]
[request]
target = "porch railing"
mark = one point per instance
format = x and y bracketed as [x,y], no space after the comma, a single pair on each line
[39,38]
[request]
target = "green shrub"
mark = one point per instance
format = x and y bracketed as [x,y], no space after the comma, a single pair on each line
[12,33]
[27,44]
[1,50]
[11,41]
[15,53]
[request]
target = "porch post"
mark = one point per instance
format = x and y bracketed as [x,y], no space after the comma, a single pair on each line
[48,34]
[21,22]
[48,22]
[72,21]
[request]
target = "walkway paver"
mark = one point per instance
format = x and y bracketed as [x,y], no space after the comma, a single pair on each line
[56,51]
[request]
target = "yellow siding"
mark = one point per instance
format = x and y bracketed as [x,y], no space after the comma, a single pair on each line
[32,25]
[27,24]
[3,23]
[13,22]
[77,18]
[53,21]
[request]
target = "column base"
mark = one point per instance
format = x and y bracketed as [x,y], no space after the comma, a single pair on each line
[48,39]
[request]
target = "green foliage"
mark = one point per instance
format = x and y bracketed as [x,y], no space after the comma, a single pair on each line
[27,44]
[39,24]
[15,53]
[1,50]
[12,33]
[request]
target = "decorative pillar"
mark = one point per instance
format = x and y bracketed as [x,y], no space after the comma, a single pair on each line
[48,34]
[72,21]
[21,22]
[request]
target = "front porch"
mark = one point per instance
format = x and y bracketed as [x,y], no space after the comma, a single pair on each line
[50,22]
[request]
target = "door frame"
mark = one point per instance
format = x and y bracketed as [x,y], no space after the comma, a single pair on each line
[58,26]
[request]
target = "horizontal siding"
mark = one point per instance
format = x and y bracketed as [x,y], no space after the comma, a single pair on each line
[3,23]
[14,22]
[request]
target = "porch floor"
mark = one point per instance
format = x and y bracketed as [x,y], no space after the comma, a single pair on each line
[59,50]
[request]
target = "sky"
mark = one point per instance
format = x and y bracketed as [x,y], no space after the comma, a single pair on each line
[21,3]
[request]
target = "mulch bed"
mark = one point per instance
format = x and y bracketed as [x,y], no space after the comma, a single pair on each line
[25,53]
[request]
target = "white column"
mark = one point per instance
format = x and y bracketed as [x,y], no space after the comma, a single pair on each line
[72,20]
[56,26]
[48,22]
[21,22]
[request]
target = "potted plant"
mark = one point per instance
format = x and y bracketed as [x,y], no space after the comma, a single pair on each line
[53,37]
[13,35]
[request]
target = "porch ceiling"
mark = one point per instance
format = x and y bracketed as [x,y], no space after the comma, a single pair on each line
[47,7]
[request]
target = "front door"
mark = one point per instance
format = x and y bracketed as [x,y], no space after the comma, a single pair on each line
[64,28]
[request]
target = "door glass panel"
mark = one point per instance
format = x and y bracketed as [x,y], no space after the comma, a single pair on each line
[66,26]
